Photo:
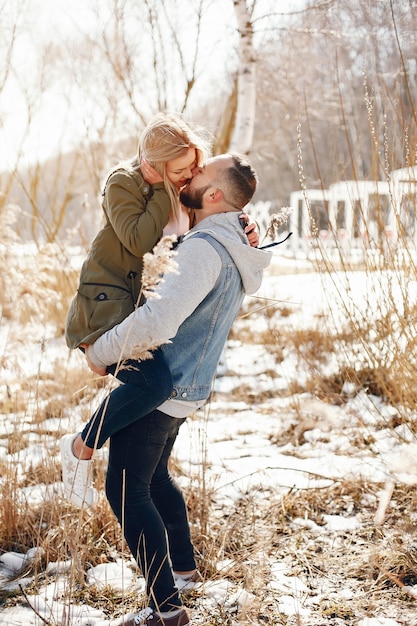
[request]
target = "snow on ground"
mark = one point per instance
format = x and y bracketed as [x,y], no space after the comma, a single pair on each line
[244,451]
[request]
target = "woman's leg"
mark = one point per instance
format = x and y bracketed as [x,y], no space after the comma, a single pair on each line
[135,454]
[146,385]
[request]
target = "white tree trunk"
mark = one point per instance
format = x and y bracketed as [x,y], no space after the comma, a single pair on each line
[246,99]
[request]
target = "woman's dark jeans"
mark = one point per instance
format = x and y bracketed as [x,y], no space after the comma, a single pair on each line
[149,505]
[147,384]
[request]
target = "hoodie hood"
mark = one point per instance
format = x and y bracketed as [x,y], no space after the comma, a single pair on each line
[226,229]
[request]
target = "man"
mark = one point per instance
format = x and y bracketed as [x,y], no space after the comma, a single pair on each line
[196,308]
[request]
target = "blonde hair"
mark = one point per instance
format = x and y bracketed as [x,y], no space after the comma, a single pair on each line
[167,137]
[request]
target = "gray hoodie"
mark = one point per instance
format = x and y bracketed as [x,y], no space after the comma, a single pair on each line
[178,295]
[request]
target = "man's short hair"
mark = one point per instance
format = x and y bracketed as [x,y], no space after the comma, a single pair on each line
[241,181]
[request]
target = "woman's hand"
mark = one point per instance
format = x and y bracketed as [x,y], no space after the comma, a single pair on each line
[149,173]
[251,229]
[101,371]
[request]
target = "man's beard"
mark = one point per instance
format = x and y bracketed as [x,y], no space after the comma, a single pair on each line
[192,199]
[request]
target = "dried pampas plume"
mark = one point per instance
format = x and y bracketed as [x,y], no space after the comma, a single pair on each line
[276,221]
[155,265]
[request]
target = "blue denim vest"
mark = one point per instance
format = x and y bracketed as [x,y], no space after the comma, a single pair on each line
[195,351]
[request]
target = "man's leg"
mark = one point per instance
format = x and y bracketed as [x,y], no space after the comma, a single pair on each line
[135,453]
[169,501]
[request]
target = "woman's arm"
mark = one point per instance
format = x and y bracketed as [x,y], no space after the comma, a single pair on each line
[251,229]
[138,214]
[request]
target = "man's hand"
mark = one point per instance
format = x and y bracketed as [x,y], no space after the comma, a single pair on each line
[251,229]
[149,173]
[101,371]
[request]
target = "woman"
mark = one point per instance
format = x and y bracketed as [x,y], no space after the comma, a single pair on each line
[140,203]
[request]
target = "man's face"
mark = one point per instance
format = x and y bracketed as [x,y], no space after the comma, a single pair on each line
[203,178]
[193,198]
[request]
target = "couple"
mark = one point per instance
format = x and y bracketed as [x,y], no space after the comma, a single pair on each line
[196,308]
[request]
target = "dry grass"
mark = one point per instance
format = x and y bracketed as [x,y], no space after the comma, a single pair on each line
[374,563]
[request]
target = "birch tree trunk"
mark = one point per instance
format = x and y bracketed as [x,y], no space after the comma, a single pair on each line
[246,100]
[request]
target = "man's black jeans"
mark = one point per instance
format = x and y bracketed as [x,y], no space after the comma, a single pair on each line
[149,504]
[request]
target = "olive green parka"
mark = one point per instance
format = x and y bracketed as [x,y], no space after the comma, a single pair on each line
[110,279]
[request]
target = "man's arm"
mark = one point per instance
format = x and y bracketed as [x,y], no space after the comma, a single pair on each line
[158,320]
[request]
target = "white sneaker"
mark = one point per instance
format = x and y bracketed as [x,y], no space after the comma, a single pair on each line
[185,584]
[76,475]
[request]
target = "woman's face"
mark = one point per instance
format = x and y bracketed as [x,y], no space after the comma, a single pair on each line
[180,170]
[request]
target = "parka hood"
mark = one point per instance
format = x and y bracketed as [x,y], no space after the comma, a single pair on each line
[226,229]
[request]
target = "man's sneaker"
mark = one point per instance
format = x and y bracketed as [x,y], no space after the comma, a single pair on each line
[148,617]
[186,584]
[76,475]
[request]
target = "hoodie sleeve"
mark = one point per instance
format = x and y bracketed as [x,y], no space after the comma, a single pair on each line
[158,320]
